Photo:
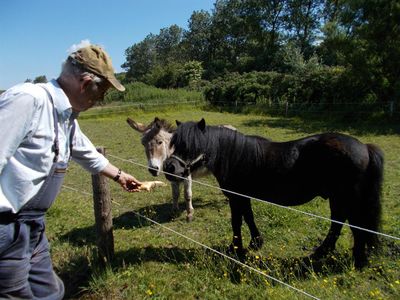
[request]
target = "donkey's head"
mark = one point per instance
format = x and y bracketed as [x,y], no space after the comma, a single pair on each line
[155,139]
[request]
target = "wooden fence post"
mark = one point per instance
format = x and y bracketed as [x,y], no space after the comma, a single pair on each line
[103,216]
[391,108]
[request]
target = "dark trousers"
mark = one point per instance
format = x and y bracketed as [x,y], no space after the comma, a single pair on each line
[26,270]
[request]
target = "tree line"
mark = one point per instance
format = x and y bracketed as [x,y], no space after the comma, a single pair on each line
[346,46]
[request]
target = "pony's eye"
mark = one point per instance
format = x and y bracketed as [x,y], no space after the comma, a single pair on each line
[159,142]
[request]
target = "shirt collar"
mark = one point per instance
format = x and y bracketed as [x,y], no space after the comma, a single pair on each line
[61,101]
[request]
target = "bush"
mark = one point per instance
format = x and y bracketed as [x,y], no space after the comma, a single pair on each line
[317,86]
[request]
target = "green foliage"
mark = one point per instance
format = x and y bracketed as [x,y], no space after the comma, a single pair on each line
[141,93]
[164,76]
[192,73]
[307,85]
[40,79]
[362,38]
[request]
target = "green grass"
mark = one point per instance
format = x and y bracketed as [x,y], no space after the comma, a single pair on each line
[152,262]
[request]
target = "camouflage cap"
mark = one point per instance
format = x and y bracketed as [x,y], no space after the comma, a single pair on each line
[94,59]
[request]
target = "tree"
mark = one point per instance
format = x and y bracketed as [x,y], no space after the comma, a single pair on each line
[364,36]
[140,58]
[302,23]
[197,39]
[40,79]
[167,44]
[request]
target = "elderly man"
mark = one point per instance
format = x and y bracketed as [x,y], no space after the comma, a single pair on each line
[39,134]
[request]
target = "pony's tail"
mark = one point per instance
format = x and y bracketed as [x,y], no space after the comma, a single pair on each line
[372,195]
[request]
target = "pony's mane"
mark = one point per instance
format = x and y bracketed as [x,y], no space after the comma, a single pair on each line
[218,142]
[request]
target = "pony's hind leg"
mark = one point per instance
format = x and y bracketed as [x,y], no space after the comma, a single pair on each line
[256,241]
[337,214]
[360,236]
[188,198]
[359,248]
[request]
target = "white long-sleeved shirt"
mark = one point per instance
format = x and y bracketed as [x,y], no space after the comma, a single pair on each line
[26,140]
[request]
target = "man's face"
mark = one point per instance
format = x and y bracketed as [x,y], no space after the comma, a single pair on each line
[91,93]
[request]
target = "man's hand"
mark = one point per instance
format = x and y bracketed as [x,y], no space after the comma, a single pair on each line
[129,183]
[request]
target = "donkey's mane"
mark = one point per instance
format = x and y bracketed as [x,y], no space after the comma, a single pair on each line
[162,124]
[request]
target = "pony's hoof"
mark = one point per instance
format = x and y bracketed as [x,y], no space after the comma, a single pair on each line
[256,243]
[240,252]
[320,253]
[189,218]
[360,262]
[175,213]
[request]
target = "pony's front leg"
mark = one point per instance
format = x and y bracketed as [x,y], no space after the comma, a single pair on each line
[236,222]
[175,197]
[256,241]
[187,189]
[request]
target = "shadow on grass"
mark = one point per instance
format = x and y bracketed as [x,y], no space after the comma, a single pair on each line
[335,123]
[161,213]
[77,274]
[279,268]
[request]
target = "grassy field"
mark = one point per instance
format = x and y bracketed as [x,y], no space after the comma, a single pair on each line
[153,262]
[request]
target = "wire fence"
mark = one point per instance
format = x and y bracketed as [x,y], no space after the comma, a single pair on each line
[264,201]
[223,255]
[350,109]
[391,109]
[238,262]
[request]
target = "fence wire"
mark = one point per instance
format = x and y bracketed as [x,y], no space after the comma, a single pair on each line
[265,201]
[213,250]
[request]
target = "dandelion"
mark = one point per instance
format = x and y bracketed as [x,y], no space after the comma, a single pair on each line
[149,292]
[397,282]
[375,293]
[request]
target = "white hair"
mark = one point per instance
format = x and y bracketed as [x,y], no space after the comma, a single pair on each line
[76,47]
[69,68]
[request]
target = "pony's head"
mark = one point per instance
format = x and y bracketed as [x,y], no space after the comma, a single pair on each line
[190,150]
[156,137]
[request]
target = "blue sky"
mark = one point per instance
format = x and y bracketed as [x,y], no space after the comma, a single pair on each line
[35,35]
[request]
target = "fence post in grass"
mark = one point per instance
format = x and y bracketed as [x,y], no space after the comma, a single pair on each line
[286,108]
[103,216]
[391,108]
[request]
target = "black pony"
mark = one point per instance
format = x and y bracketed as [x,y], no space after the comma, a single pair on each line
[331,165]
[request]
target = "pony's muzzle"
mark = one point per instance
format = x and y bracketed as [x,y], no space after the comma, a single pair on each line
[155,171]
[173,167]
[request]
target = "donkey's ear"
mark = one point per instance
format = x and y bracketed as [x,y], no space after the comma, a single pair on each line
[178,122]
[137,126]
[202,124]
